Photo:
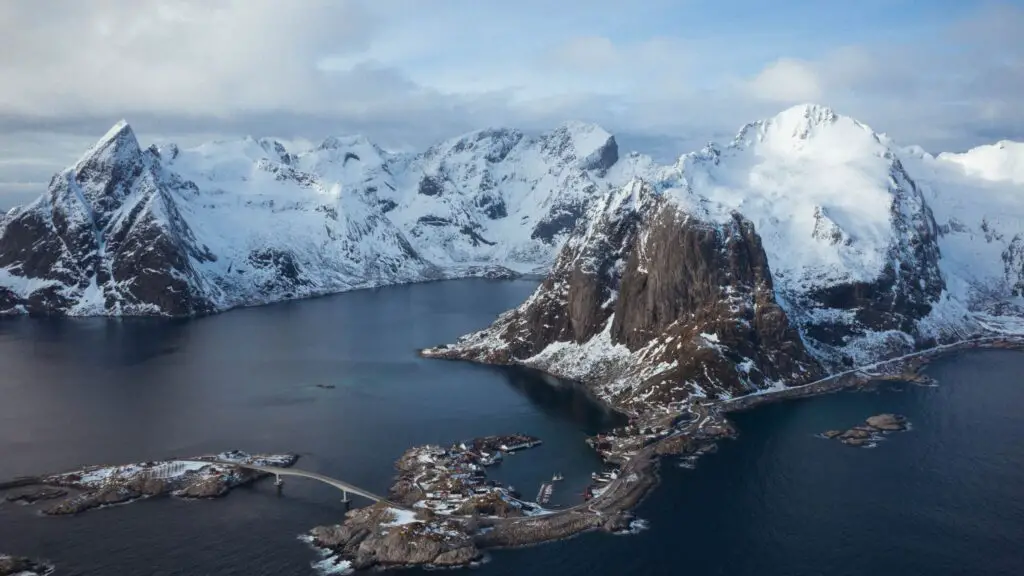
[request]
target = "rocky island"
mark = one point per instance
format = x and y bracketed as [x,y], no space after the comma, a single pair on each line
[445,511]
[207,476]
[446,502]
[18,566]
[870,432]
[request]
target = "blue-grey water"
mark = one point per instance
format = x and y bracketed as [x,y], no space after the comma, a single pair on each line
[943,498]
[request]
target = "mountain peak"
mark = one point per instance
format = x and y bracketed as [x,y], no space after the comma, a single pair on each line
[594,147]
[117,144]
[337,142]
[794,128]
[808,113]
[580,127]
[120,127]
[802,121]
[1002,161]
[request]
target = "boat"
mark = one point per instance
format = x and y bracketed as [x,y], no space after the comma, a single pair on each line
[557,477]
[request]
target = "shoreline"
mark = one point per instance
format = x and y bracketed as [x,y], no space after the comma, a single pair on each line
[98,486]
[907,367]
[471,272]
[612,510]
[464,537]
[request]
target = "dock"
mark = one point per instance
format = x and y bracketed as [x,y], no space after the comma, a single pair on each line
[544,494]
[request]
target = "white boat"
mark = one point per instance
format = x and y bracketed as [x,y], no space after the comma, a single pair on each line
[557,477]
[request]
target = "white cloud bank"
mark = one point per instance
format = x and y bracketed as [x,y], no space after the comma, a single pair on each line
[406,72]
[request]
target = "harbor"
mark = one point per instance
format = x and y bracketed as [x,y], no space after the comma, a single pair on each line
[453,481]
[600,481]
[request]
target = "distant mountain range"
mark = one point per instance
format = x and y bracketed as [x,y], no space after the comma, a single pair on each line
[173,232]
[807,243]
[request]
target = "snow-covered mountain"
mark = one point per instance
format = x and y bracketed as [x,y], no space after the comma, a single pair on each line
[178,232]
[819,240]
[808,243]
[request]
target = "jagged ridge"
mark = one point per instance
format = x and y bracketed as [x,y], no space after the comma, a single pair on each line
[178,232]
[803,246]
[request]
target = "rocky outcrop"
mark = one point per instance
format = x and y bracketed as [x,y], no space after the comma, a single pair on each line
[105,496]
[868,434]
[370,537]
[106,237]
[675,306]
[19,566]
[98,486]
[37,494]
[803,248]
[887,422]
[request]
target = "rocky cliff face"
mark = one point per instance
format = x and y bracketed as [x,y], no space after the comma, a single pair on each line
[870,249]
[106,237]
[879,315]
[652,306]
[803,247]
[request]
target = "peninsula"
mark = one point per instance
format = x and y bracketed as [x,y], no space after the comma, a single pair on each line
[368,537]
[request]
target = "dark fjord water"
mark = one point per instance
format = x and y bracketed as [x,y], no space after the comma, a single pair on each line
[944,498]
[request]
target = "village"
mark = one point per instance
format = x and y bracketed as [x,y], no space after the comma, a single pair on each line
[619,445]
[453,480]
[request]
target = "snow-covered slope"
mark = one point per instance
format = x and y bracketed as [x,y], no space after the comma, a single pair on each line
[808,220]
[1002,161]
[980,214]
[179,232]
[848,234]
[870,247]
[499,195]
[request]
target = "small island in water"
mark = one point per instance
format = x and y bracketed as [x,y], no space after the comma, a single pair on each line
[208,476]
[868,434]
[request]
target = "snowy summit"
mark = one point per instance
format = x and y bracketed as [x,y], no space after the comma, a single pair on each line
[807,245]
[177,232]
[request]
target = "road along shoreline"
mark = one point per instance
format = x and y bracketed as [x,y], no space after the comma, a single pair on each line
[395,533]
[702,425]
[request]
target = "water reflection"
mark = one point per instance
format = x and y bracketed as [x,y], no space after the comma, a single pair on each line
[563,398]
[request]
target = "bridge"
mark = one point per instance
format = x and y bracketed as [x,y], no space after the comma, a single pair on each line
[176,467]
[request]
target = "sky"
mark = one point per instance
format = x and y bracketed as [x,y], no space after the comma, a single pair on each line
[665,76]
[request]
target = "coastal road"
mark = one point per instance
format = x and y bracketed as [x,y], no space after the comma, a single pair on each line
[701,414]
[642,457]
[865,370]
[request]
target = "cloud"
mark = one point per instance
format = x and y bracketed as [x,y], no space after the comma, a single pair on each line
[786,80]
[664,74]
[953,89]
[601,55]
[173,56]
